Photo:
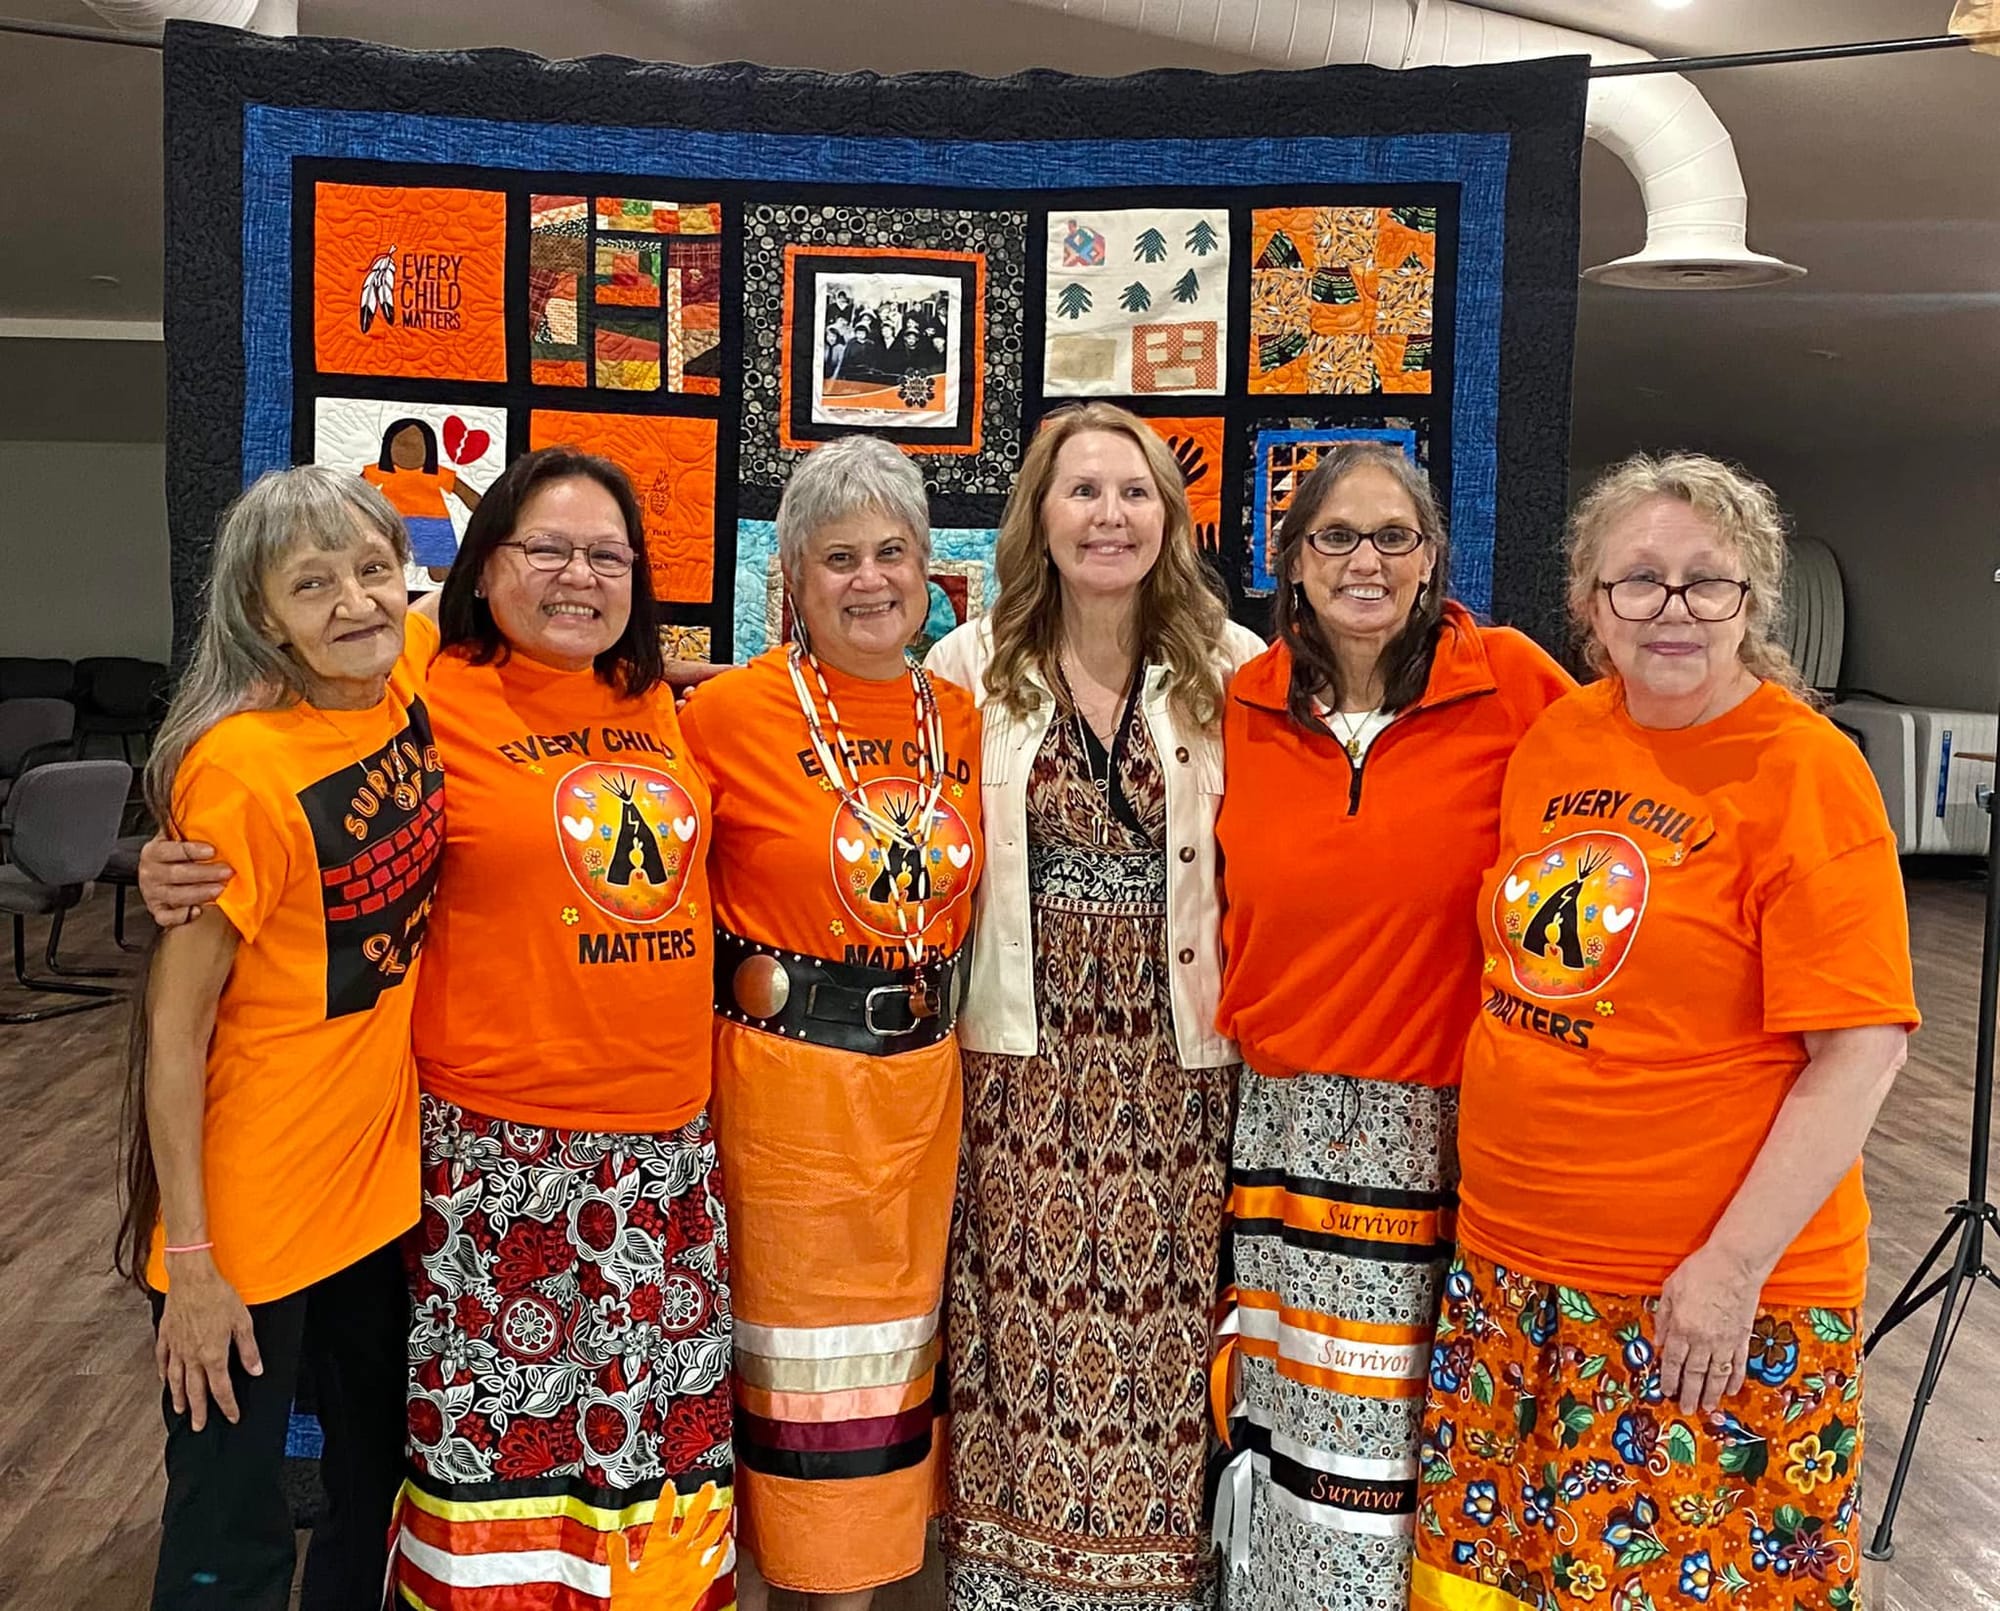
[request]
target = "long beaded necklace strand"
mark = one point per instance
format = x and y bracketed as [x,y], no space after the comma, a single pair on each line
[884,830]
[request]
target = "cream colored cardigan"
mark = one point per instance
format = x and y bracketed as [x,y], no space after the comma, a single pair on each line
[999,1011]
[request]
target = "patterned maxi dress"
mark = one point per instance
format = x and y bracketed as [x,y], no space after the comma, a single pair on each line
[1086,1238]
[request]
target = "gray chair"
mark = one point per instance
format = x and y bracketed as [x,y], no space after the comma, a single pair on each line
[33,731]
[61,823]
[121,872]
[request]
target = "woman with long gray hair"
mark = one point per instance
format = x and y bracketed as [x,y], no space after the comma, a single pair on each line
[272,1136]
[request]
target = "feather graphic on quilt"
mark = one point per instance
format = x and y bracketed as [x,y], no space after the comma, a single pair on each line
[378,290]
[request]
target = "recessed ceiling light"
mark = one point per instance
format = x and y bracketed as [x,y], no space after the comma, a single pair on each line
[1822,352]
[105,279]
[1651,391]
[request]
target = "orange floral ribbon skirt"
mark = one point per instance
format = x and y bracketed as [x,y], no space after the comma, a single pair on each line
[1554,1475]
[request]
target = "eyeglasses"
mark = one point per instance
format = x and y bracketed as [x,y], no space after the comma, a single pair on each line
[1707,598]
[553,554]
[1334,541]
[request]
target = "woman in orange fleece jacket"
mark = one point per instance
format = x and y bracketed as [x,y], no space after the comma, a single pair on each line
[1364,752]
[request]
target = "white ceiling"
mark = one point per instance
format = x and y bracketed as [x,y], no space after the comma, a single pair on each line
[1881,175]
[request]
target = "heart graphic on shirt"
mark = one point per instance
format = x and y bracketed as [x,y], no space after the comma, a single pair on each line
[958,855]
[578,828]
[463,444]
[851,849]
[1619,918]
[1517,887]
[684,828]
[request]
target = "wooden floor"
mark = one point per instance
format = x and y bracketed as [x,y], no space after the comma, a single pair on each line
[80,1474]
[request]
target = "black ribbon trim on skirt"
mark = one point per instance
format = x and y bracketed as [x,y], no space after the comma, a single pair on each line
[1366,1496]
[805,1465]
[1352,1247]
[1341,1191]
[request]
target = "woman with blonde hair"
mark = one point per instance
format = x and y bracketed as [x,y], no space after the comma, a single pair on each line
[1098,1093]
[1697,974]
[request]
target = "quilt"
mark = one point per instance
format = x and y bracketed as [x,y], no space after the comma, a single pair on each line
[421,265]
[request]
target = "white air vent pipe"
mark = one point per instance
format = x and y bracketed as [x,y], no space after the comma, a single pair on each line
[1657,124]
[279,17]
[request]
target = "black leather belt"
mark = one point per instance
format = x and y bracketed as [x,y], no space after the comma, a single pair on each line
[875,1011]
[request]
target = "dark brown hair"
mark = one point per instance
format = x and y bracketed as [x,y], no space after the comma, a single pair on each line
[634,664]
[1406,658]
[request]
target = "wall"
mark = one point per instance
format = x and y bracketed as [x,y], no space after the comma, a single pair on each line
[1916,528]
[83,549]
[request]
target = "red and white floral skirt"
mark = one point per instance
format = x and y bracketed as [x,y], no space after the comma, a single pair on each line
[569,1359]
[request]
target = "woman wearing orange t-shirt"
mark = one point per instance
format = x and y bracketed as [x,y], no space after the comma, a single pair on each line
[273,1164]
[846,787]
[1697,993]
[1364,754]
[568,1356]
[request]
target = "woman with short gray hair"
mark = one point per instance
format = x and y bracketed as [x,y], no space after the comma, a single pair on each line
[272,1155]
[846,848]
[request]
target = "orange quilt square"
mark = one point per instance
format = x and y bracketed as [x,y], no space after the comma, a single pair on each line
[1197,449]
[410,281]
[672,465]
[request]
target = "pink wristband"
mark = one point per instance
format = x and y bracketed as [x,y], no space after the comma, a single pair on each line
[192,1247]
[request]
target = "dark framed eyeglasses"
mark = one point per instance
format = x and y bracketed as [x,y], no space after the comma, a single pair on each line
[1707,598]
[1335,541]
[554,554]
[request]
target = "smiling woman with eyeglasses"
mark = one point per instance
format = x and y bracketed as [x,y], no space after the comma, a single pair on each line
[1698,976]
[1364,754]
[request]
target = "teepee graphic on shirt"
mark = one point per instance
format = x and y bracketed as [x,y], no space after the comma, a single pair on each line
[904,866]
[1556,924]
[638,846]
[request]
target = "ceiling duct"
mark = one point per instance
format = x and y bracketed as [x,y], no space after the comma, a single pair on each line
[1657,124]
[277,17]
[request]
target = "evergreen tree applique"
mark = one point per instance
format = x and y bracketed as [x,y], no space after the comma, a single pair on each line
[1150,247]
[1202,239]
[1135,298]
[1187,287]
[1073,301]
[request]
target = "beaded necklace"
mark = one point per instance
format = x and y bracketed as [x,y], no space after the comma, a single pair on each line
[887,831]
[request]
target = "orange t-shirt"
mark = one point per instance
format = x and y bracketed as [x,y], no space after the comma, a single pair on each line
[1347,931]
[413,493]
[792,868]
[569,976]
[333,821]
[1670,912]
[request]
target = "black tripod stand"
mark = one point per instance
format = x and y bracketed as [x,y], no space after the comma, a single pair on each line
[1966,1222]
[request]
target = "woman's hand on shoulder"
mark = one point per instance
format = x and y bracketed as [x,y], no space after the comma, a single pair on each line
[203,1319]
[1701,1330]
[684,676]
[178,877]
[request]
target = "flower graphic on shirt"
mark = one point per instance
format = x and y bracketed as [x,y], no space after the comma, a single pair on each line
[571,916]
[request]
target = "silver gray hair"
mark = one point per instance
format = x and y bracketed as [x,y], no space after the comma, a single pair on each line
[849,476]
[235,665]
